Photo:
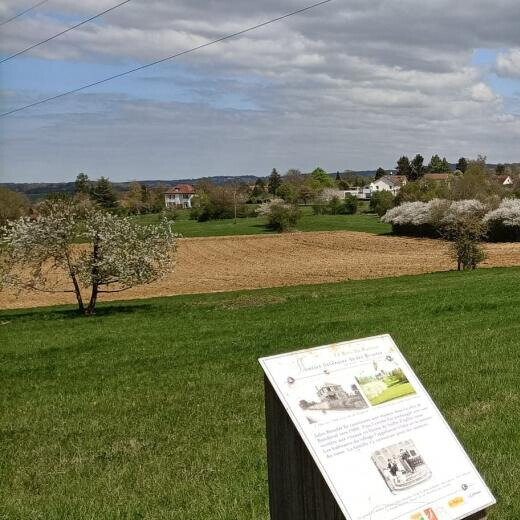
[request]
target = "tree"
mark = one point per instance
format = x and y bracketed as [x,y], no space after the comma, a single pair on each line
[350,205]
[416,168]
[288,192]
[338,177]
[500,169]
[281,216]
[306,193]
[380,172]
[258,193]
[403,166]
[133,199]
[438,165]
[465,233]
[322,178]
[239,194]
[381,202]
[41,253]
[12,205]
[103,193]
[274,182]
[462,165]
[82,184]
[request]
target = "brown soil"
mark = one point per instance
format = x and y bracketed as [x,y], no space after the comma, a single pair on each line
[214,264]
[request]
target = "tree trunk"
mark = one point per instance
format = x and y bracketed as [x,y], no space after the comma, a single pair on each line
[77,291]
[91,309]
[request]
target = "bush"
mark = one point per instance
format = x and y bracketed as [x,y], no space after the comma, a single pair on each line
[12,205]
[503,224]
[350,205]
[281,216]
[381,202]
[430,219]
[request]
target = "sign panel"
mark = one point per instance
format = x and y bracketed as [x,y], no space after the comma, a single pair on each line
[380,442]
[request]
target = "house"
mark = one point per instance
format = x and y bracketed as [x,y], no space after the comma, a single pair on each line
[439,177]
[179,196]
[391,183]
[504,180]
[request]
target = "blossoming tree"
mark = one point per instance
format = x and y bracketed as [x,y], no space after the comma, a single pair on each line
[94,251]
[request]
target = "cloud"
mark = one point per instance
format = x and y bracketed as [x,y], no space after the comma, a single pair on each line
[508,63]
[482,93]
[348,85]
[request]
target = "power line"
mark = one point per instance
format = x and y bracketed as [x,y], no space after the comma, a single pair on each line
[65,31]
[193,49]
[23,12]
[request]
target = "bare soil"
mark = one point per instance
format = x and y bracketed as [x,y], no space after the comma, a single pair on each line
[214,264]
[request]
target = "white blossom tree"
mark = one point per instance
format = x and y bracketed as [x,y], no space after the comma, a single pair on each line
[94,251]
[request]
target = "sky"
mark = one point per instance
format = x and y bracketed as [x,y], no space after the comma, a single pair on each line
[349,85]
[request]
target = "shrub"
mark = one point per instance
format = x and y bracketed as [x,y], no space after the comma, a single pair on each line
[350,205]
[504,222]
[429,219]
[12,205]
[381,202]
[281,216]
[465,228]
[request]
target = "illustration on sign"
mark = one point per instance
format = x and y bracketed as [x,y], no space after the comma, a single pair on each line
[380,442]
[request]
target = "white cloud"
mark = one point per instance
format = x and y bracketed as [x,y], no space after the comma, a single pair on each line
[482,93]
[508,64]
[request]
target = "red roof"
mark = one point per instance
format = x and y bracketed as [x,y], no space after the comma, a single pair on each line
[184,189]
[437,176]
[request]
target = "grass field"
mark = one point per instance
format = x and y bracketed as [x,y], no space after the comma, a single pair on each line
[365,222]
[394,392]
[153,409]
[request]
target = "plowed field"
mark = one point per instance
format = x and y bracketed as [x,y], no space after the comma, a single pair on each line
[214,264]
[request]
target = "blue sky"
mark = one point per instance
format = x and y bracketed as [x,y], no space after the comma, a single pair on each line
[348,86]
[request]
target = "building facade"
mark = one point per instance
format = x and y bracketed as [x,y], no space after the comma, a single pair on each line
[179,196]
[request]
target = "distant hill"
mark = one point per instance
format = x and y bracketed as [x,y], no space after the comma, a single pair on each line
[39,190]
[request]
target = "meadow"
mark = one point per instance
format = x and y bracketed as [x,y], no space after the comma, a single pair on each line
[153,409]
[362,221]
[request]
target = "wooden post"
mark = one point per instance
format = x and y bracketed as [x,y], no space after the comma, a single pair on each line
[297,490]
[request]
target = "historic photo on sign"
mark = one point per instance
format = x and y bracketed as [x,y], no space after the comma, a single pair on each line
[333,397]
[383,381]
[401,466]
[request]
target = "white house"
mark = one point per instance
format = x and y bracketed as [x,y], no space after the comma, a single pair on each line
[391,183]
[179,196]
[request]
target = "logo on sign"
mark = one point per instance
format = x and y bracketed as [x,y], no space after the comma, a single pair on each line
[430,514]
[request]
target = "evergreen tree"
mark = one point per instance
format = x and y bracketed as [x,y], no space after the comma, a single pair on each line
[380,173]
[403,166]
[417,168]
[338,177]
[462,165]
[103,193]
[438,165]
[82,184]
[274,182]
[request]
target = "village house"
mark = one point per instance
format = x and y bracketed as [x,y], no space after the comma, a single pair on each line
[391,183]
[438,177]
[179,196]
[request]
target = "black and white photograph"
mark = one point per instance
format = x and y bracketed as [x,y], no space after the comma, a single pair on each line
[332,397]
[401,465]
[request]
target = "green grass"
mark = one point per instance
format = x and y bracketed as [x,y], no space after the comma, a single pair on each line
[153,409]
[394,392]
[368,223]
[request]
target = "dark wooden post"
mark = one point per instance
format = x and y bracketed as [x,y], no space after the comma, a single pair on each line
[297,490]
